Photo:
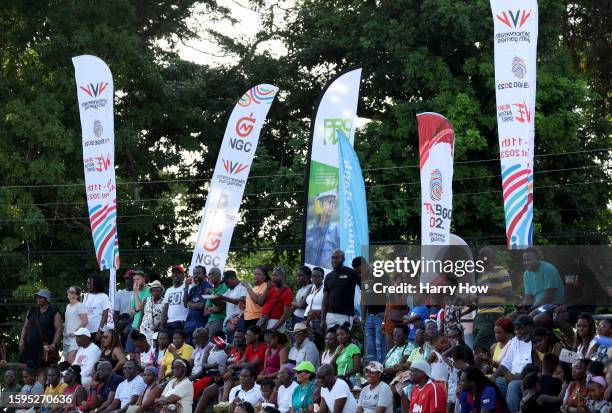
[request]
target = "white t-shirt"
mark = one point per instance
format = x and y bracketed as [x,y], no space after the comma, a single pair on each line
[73,317]
[148,358]
[176,309]
[95,305]
[440,371]
[314,300]
[122,301]
[184,390]
[237,292]
[371,399]
[517,356]
[128,389]
[299,296]
[339,391]
[198,357]
[252,396]
[219,356]
[283,400]
[86,358]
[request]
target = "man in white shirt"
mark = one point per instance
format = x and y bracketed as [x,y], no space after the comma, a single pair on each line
[336,397]
[232,300]
[174,311]
[286,386]
[516,358]
[247,390]
[129,390]
[87,355]
[303,348]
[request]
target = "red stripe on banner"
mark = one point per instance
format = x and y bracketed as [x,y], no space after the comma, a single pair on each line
[102,87]
[110,235]
[517,219]
[86,90]
[513,188]
[511,178]
[101,211]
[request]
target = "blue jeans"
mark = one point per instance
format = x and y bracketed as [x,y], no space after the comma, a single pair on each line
[375,339]
[514,395]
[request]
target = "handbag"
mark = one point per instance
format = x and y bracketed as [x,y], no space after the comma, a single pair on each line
[51,357]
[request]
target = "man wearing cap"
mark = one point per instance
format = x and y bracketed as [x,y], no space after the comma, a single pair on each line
[426,396]
[174,311]
[41,333]
[336,396]
[323,236]
[303,348]
[339,293]
[87,355]
[518,355]
[121,306]
[376,397]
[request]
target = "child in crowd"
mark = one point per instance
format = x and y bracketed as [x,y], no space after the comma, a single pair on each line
[596,403]
[531,390]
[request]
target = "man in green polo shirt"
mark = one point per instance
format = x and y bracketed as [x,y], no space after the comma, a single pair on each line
[215,307]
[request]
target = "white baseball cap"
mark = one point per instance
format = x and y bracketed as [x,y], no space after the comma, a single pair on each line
[82,332]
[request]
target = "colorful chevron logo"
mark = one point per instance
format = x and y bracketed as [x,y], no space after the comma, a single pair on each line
[516,19]
[94,89]
[233,168]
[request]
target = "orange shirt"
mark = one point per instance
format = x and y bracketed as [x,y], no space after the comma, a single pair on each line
[252,311]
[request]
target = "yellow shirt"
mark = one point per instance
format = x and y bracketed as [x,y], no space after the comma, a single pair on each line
[252,311]
[56,391]
[184,352]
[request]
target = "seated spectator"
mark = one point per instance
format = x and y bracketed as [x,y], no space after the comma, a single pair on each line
[30,387]
[107,386]
[285,387]
[246,391]
[302,397]
[596,403]
[54,386]
[479,394]
[422,350]
[426,396]
[376,397]
[502,330]
[254,354]
[178,393]
[586,343]
[111,350]
[458,364]
[72,378]
[336,396]
[275,355]
[331,345]
[605,332]
[397,356]
[129,390]
[144,349]
[276,309]
[10,382]
[303,348]
[456,338]
[531,389]
[200,352]
[545,341]
[161,341]
[178,349]
[146,400]
[87,355]
[347,358]
[551,386]
[268,394]
[577,390]
[197,287]
[212,364]
[244,407]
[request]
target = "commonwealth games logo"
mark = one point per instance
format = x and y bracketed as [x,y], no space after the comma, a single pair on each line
[519,68]
[435,185]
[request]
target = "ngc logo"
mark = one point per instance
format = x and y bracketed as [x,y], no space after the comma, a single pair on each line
[245,125]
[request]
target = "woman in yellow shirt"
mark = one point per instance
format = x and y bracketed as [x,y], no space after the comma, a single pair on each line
[177,350]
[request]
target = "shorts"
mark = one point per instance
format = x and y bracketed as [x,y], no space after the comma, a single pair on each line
[546,308]
[70,344]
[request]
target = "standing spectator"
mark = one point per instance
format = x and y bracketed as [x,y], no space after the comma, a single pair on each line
[339,292]
[299,303]
[347,358]
[179,349]
[98,306]
[153,307]
[233,297]
[543,286]
[416,319]
[137,302]
[121,306]
[440,370]
[336,396]
[303,348]
[426,396]
[331,345]
[285,388]
[479,394]
[87,355]
[586,343]
[196,288]
[215,308]
[275,356]
[174,312]
[377,395]
[491,304]
[256,296]
[374,317]
[277,308]
[129,390]
[76,317]
[111,349]
[314,300]
[40,335]
[301,400]
[107,385]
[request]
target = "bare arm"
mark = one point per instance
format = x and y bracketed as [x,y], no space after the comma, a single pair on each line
[549,297]
[164,315]
[147,404]
[283,319]
[339,405]
[324,306]
[113,406]
[59,327]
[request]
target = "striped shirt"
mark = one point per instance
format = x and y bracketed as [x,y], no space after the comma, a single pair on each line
[497,278]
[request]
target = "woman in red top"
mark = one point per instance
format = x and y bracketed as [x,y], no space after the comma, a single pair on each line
[276,354]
